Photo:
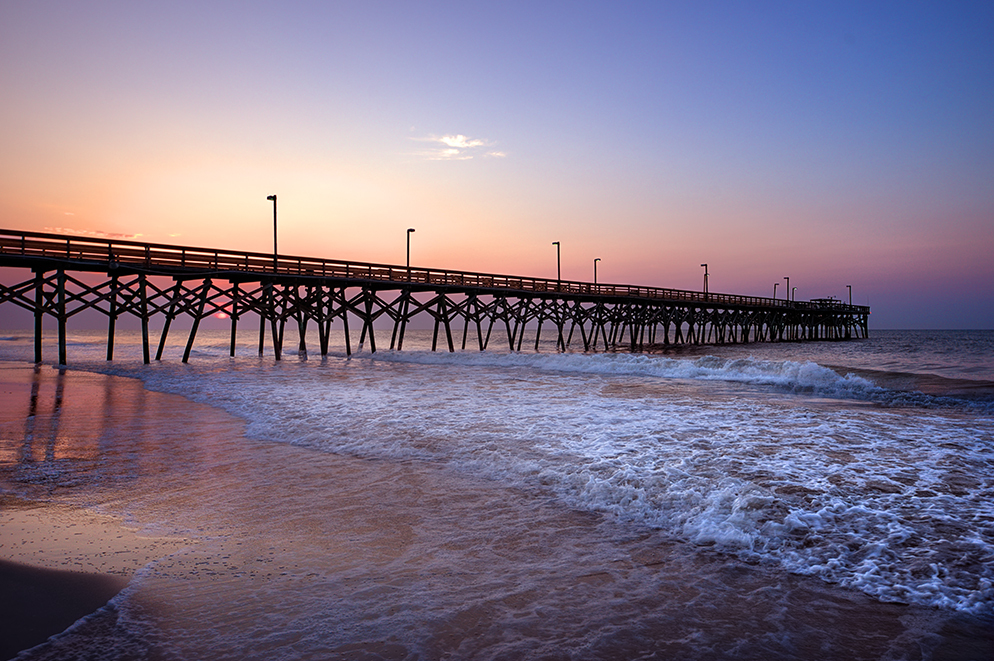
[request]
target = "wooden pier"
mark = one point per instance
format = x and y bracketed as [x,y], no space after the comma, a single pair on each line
[155,281]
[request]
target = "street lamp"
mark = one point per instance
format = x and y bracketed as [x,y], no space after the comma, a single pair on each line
[793,296]
[705,280]
[596,259]
[273,198]
[559,273]
[775,285]
[849,287]
[410,230]
[787,290]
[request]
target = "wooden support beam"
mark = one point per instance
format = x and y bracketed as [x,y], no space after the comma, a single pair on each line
[262,328]
[400,321]
[302,334]
[204,290]
[143,310]
[404,312]
[270,307]
[61,313]
[465,327]
[443,308]
[368,322]
[235,293]
[521,320]
[112,317]
[479,326]
[39,311]
[168,320]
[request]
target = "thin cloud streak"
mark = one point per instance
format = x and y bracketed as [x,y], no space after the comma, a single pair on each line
[96,234]
[457,147]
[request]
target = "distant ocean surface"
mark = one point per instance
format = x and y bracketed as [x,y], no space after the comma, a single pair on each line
[739,501]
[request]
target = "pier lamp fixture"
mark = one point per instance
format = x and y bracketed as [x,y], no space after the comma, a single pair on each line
[849,287]
[705,281]
[275,262]
[559,273]
[596,259]
[775,285]
[786,294]
[793,294]
[410,230]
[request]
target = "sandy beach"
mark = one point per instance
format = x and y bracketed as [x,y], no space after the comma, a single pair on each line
[59,564]
[39,603]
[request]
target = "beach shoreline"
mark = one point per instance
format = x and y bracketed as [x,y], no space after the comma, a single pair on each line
[59,562]
[40,603]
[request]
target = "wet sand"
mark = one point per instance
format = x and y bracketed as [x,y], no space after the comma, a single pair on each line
[38,603]
[58,563]
[410,557]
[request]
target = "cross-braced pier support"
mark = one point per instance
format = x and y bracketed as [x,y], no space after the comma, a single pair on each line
[463,319]
[67,276]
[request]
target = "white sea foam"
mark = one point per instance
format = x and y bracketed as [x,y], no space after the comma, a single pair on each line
[735,454]
[789,376]
[885,501]
[802,377]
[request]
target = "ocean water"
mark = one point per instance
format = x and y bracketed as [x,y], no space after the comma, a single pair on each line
[783,500]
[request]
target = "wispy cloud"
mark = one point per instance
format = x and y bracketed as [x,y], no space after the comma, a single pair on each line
[457,147]
[461,142]
[97,234]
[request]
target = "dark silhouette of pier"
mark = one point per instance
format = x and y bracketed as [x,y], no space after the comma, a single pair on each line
[148,280]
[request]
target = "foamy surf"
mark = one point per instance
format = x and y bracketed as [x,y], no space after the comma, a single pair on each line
[855,497]
[798,377]
[734,454]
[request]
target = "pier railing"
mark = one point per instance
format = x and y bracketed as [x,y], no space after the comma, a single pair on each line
[173,260]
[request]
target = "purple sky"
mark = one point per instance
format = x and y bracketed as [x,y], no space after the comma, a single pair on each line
[835,143]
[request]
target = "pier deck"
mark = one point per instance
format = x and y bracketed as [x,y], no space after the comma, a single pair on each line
[150,280]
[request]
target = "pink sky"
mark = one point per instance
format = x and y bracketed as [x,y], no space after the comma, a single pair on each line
[849,144]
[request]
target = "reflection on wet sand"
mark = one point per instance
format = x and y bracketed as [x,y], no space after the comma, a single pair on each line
[58,562]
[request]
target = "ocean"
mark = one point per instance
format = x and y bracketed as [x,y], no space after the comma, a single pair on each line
[762,501]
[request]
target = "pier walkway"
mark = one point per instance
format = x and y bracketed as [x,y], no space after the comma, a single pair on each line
[70,274]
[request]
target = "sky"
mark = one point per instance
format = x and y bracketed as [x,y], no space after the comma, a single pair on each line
[834,143]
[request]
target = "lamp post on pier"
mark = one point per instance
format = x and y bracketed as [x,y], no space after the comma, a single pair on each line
[793,296]
[559,273]
[596,259]
[705,281]
[787,289]
[275,253]
[410,230]
[849,287]
[775,285]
